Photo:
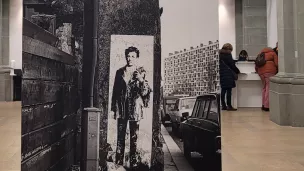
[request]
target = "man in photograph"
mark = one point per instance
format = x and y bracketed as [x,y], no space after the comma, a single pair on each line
[131,94]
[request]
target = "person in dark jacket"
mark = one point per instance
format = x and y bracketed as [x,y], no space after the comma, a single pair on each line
[227,79]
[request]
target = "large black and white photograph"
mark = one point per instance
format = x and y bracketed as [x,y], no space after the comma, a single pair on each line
[191,82]
[130,102]
[120,86]
[151,85]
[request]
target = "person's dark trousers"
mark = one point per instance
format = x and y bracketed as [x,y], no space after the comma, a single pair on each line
[121,137]
[134,129]
[226,92]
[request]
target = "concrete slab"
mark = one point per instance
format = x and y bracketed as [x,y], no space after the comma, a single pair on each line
[169,164]
[177,155]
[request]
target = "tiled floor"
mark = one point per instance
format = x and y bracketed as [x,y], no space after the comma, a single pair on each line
[10,136]
[252,142]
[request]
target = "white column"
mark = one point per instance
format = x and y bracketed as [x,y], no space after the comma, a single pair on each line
[272,23]
[15,32]
[227,24]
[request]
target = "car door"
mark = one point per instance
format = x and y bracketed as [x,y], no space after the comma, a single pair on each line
[207,124]
[197,122]
[188,126]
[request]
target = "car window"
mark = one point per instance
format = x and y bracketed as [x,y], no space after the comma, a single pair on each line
[214,112]
[195,109]
[188,103]
[203,110]
[200,109]
[206,109]
[214,106]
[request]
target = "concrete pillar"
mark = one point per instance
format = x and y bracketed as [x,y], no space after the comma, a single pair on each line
[5,79]
[1,11]
[287,87]
[297,90]
[5,33]
[280,85]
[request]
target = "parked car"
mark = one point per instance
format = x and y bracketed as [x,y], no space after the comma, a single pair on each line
[201,130]
[167,105]
[174,111]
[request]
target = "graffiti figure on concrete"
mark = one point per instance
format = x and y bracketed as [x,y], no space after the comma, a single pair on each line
[131,96]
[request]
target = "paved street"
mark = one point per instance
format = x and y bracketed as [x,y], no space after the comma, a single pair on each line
[197,162]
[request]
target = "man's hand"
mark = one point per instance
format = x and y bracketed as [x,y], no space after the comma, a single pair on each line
[138,76]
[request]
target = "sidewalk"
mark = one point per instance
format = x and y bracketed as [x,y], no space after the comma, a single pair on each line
[169,164]
[173,156]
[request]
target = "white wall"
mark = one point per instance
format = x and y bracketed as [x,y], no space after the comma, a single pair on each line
[227,23]
[15,32]
[272,29]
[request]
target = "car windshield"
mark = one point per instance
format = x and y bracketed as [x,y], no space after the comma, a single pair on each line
[188,103]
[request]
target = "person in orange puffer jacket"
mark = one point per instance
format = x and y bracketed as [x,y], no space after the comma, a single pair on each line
[265,72]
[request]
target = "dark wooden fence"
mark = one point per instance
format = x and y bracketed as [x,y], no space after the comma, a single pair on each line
[50,101]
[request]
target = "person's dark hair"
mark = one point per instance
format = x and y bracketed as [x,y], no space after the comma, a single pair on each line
[244,53]
[227,46]
[132,49]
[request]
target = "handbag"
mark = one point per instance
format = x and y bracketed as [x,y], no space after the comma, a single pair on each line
[235,76]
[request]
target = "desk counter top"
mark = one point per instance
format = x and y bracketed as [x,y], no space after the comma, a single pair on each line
[249,77]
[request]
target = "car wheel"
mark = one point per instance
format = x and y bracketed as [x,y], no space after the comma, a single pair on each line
[187,151]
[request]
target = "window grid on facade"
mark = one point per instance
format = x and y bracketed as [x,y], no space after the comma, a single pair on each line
[193,71]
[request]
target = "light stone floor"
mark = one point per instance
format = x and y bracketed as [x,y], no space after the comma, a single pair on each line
[10,136]
[250,141]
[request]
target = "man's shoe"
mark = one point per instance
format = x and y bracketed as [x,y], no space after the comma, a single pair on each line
[230,108]
[224,108]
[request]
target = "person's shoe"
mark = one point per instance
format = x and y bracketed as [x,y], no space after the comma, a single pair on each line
[266,109]
[230,108]
[224,108]
[263,108]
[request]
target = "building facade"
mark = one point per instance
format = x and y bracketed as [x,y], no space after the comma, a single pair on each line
[194,71]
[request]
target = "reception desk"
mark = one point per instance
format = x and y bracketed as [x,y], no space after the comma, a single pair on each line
[248,91]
